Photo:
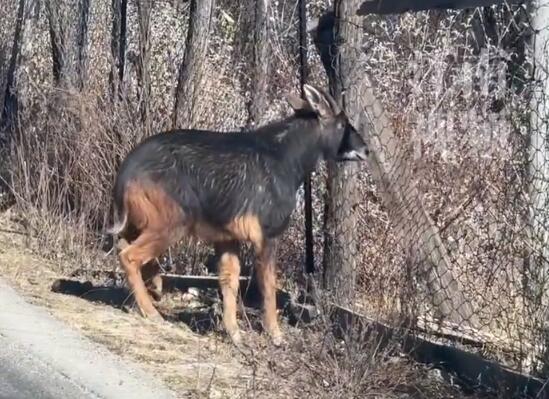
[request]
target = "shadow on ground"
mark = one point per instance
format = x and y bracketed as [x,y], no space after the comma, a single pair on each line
[199,309]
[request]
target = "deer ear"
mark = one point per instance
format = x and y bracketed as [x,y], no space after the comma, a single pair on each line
[297,103]
[318,102]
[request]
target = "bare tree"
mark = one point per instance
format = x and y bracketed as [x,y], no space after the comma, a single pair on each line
[191,69]
[144,9]
[57,38]
[342,198]
[118,44]
[82,41]
[261,62]
[68,35]
[9,106]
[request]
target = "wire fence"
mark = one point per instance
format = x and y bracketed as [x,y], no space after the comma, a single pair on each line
[446,225]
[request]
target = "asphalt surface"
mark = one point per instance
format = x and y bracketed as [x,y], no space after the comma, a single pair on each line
[41,357]
[22,376]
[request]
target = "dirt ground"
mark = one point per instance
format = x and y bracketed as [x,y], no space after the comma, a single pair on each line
[196,360]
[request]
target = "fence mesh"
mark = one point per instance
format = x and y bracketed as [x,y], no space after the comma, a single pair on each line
[448,219]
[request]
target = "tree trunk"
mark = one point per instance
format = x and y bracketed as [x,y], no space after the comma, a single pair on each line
[118,54]
[261,64]
[57,39]
[118,45]
[9,106]
[82,42]
[340,243]
[68,35]
[191,69]
[144,8]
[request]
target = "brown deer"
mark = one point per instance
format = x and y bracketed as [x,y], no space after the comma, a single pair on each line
[225,188]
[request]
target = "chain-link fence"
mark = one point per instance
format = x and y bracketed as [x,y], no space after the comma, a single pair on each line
[446,225]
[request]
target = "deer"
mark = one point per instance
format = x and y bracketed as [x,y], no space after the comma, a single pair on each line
[225,189]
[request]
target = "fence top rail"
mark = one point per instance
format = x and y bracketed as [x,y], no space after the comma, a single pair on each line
[402,6]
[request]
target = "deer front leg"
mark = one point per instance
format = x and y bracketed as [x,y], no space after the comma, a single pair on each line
[266,275]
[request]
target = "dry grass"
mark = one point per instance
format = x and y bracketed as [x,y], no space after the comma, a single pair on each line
[189,363]
[205,365]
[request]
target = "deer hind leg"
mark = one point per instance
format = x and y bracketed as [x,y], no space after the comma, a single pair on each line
[150,271]
[145,248]
[229,273]
[153,280]
[266,275]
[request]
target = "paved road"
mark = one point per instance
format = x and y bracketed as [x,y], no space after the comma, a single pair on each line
[41,357]
[24,377]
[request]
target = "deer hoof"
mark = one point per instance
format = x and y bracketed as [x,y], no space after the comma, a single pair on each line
[154,316]
[157,318]
[278,340]
[236,338]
